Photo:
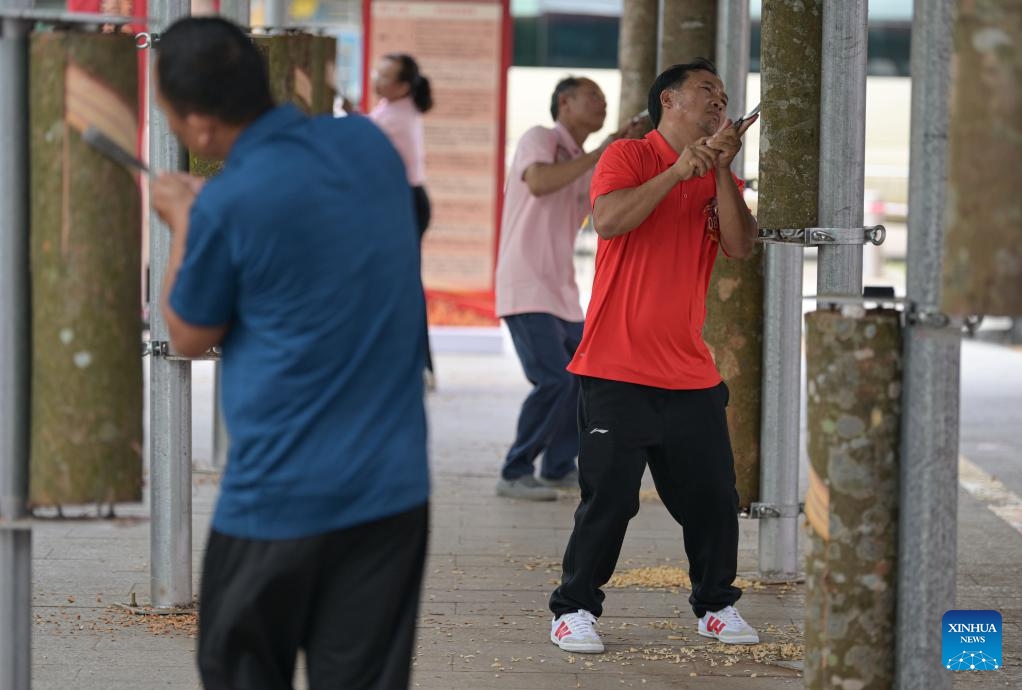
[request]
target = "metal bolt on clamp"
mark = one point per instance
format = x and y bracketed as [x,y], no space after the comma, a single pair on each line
[161,348]
[758,511]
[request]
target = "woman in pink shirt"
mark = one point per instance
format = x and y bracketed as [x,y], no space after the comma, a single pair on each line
[404,97]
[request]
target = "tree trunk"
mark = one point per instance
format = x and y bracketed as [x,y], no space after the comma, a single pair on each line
[86,428]
[688,29]
[854,404]
[301,71]
[637,51]
[983,264]
[734,301]
[734,332]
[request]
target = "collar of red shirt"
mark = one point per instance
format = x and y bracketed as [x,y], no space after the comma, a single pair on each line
[664,151]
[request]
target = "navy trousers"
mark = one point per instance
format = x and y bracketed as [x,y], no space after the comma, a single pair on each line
[547,423]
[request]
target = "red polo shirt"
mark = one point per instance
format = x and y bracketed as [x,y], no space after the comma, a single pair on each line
[645,318]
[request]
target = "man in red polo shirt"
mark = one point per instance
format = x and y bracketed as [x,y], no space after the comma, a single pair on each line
[650,391]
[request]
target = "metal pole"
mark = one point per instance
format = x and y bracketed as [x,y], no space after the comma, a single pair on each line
[842,141]
[221,441]
[15,606]
[782,389]
[170,422]
[733,61]
[929,443]
[276,12]
[238,11]
[15,361]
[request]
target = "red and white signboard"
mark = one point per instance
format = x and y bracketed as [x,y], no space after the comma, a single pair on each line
[464,48]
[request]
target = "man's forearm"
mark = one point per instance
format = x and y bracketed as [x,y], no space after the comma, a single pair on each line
[623,210]
[738,227]
[547,178]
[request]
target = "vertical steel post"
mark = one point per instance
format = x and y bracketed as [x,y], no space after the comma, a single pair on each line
[15,606]
[15,360]
[779,433]
[733,36]
[170,422]
[238,11]
[929,443]
[789,178]
[842,141]
[275,13]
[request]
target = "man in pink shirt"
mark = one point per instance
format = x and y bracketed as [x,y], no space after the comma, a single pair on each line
[545,203]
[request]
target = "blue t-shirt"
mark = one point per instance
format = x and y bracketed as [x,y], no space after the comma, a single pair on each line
[307,246]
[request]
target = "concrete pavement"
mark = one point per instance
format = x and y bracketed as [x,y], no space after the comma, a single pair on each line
[493,562]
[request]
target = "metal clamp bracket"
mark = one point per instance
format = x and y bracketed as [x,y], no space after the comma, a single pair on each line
[758,511]
[814,237]
[146,40]
[161,348]
[932,318]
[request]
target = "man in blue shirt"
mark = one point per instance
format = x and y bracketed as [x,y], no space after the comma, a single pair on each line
[301,260]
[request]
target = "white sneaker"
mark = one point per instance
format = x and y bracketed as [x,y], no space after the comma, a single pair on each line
[573,632]
[728,626]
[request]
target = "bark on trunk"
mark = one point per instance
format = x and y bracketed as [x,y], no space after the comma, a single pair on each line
[983,265]
[86,427]
[688,29]
[637,50]
[854,405]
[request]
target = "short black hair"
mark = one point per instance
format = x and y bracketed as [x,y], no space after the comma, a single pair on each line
[673,77]
[207,65]
[566,85]
[409,73]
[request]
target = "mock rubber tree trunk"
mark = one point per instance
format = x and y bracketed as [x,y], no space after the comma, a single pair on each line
[301,71]
[854,405]
[734,301]
[637,50]
[983,259]
[86,428]
[688,29]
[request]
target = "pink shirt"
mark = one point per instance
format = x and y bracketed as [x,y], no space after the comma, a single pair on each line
[402,123]
[535,262]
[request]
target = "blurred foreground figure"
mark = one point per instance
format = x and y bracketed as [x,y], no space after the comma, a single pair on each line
[301,260]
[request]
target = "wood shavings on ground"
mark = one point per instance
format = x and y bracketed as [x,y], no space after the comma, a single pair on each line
[114,619]
[667,577]
[170,624]
[718,653]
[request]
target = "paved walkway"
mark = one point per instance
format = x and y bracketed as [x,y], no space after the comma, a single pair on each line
[493,562]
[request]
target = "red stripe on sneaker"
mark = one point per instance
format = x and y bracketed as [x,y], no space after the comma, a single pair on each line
[562,630]
[714,625]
